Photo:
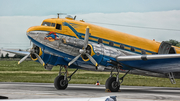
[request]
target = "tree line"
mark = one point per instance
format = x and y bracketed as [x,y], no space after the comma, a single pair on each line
[6,56]
[174,42]
[15,56]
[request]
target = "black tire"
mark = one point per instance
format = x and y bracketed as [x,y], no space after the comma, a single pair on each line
[60,83]
[3,97]
[112,85]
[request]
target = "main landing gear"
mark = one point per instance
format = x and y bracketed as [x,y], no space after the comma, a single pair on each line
[113,82]
[61,81]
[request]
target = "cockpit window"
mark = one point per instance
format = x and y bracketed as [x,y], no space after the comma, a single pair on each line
[53,24]
[46,24]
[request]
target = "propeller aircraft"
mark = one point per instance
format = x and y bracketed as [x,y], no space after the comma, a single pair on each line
[76,44]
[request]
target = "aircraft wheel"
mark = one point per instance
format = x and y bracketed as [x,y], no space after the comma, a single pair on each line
[60,83]
[112,85]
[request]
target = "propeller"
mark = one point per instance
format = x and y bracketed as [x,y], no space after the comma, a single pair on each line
[84,51]
[24,58]
[30,42]
[39,58]
[32,51]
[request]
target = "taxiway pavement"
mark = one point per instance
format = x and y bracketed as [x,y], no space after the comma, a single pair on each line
[46,90]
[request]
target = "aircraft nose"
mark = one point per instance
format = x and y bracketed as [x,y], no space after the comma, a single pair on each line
[32,28]
[33,31]
[32,34]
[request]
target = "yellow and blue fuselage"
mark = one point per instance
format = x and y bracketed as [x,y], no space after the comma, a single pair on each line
[114,44]
[120,40]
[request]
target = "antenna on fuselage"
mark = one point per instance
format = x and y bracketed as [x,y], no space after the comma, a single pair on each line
[75,17]
[58,15]
[61,14]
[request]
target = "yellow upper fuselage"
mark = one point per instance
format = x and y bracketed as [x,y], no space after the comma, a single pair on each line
[110,37]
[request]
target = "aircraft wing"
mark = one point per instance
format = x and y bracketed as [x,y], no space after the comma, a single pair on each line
[17,52]
[147,57]
[162,63]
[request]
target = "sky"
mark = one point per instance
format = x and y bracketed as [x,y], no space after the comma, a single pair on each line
[143,18]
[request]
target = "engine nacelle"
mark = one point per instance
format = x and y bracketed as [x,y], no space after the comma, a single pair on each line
[98,51]
[38,51]
[73,42]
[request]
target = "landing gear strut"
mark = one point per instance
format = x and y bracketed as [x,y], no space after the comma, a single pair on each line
[113,83]
[61,81]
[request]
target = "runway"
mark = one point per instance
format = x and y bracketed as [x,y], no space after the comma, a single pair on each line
[47,90]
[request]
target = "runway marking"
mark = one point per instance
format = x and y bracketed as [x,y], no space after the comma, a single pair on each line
[97,87]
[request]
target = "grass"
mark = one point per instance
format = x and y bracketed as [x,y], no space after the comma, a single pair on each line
[30,71]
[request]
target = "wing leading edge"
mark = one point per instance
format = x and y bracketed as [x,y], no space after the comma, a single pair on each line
[147,57]
[163,63]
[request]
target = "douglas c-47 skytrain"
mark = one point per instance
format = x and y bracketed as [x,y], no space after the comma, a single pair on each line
[76,44]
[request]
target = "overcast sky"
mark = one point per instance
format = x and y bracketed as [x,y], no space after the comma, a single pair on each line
[16,16]
[51,7]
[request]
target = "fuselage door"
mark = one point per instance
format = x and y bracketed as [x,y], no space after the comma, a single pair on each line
[59,27]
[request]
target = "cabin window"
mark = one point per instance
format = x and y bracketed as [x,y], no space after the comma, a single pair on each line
[46,24]
[143,52]
[132,49]
[58,26]
[122,46]
[100,40]
[53,24]
[111,43]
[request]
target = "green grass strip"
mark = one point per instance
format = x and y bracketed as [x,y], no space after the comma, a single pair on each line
[30,71]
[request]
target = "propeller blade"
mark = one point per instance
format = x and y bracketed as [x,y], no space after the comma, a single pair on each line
[24,58]
[34,46]
[72,61]
[91,59]
[86,38]
[40,60]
